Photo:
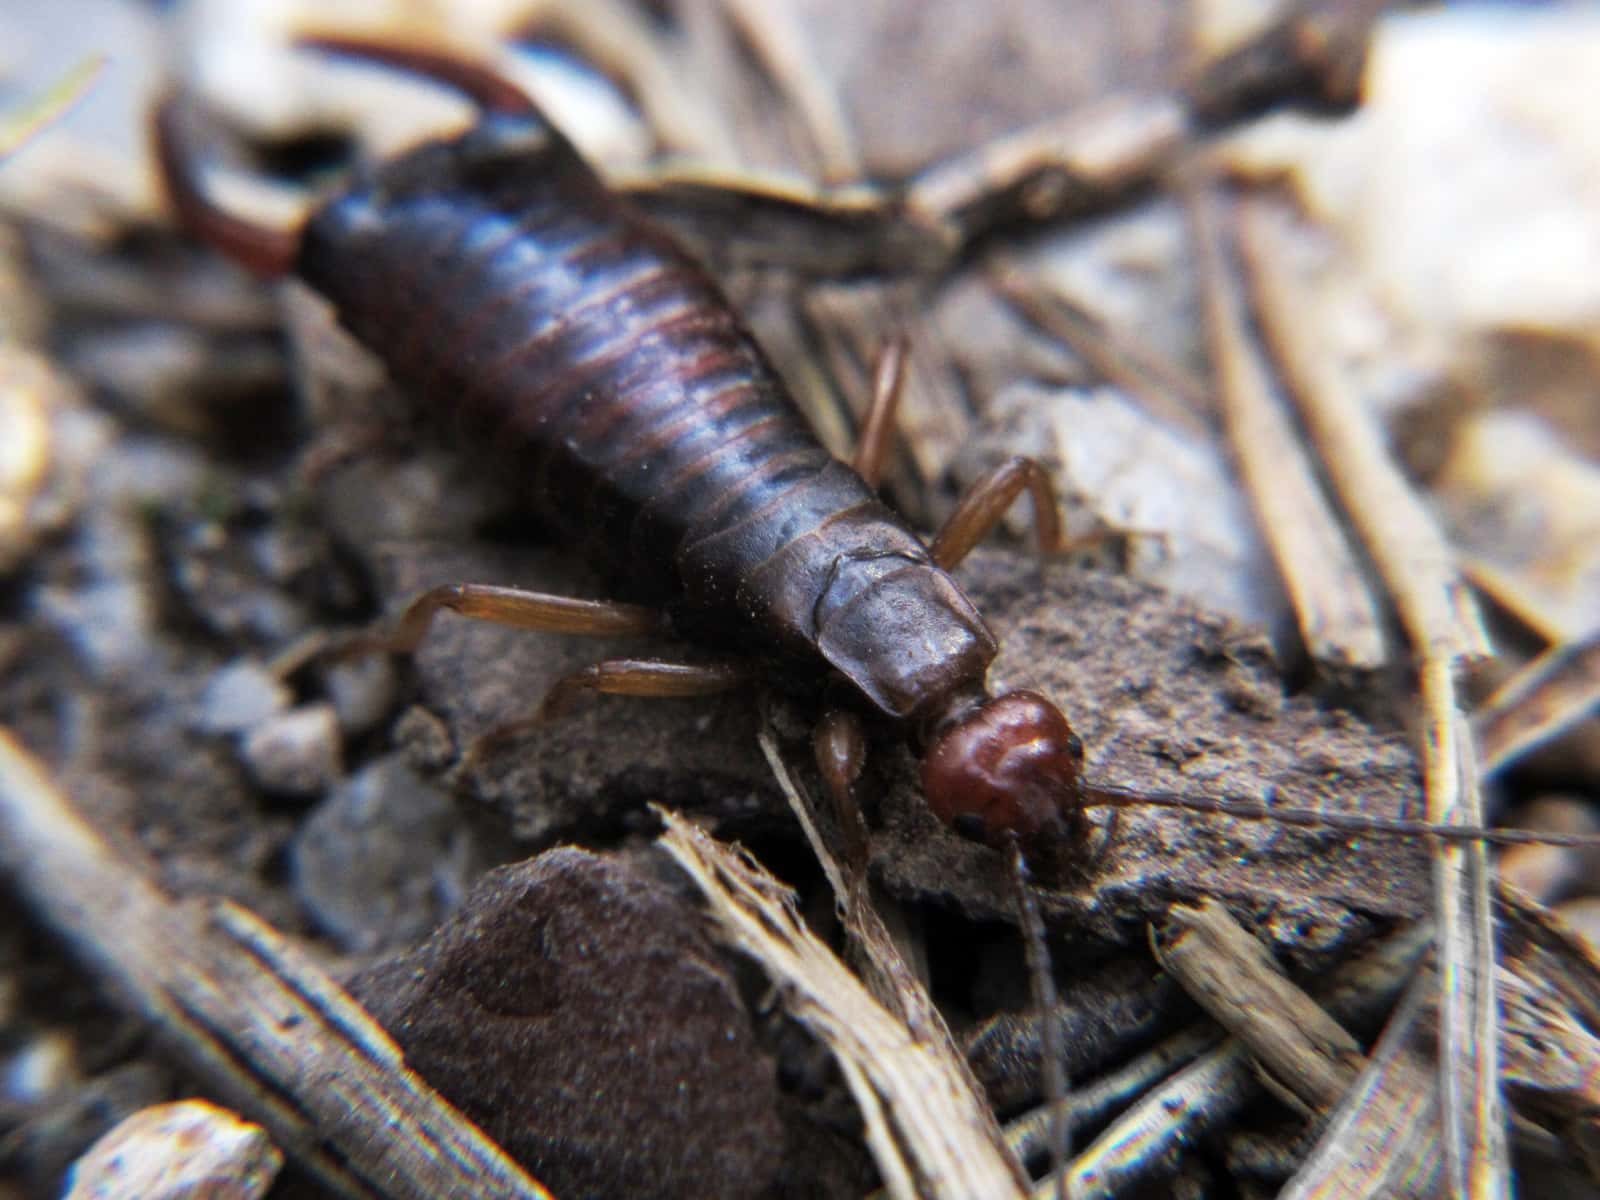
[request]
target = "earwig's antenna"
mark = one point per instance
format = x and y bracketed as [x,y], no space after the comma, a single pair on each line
[1247,808]
[1052,1050]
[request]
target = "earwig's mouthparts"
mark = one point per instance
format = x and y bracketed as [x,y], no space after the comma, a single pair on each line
[1251,809]
[476,82]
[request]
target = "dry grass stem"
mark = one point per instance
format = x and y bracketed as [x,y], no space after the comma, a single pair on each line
[1215,1087]
[934,421]
[931,1134]
[775,33]
[1028,1135]
[1439,616]
[1540,702]
[1508,592]
[17,129]
[1336,612]
[1168,391]
[616,37]
[1384,1139]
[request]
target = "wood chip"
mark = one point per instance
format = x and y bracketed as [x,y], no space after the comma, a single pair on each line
[1298,1046]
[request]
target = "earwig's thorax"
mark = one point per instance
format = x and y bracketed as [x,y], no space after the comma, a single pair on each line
[900,629]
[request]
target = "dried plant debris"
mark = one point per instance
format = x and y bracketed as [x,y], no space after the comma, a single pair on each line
[1068,53]
[235,1002]
[1525,505]
[1548,986]
[1385,1138]
[163,650]
[576,1010]
[929,1133]
[1108,1010]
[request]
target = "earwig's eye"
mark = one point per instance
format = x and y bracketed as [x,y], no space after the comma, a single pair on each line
[1075,746]
[971,826]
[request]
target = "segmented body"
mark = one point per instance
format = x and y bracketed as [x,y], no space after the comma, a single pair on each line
[513,294]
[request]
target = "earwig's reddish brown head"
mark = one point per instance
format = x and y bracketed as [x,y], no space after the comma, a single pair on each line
[1007,769]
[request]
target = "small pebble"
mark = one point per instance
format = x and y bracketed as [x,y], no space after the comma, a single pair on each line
[297,752]
[42,1068]
[180,1151]
[241,696]
[424,739]
[382,860]
[362,691]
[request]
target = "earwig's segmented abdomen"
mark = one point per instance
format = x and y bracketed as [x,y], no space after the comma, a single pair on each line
[506,287]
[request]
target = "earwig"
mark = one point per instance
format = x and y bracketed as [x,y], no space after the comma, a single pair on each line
[498,278]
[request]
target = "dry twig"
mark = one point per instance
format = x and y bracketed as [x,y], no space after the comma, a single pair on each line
[1215,1087]
[1300,1050]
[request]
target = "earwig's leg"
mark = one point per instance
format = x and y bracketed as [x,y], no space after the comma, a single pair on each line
[841,750]
[616,677]
[877,432]
[538,611]
[267,251]
[339,447]
[983,504]
[644,677]
[477,82]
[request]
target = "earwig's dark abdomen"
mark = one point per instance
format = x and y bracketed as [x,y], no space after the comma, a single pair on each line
[507,288]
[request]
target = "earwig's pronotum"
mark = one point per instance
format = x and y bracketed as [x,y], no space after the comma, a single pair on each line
[495,274]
